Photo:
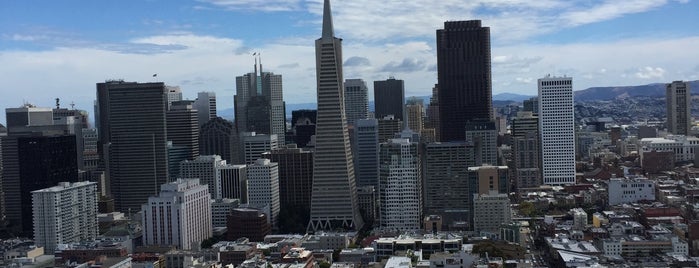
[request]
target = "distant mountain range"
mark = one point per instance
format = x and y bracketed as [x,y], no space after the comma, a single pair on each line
[589,94]
[612,93]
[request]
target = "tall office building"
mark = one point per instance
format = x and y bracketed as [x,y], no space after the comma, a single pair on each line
[65,214]
[33,161]
[389,126]
[531,105]
[334,194]
[183,127]
[295,176]
[259,104]
[414,110]
[400,185]
[389,98]
[205,106]
[179,216]
[263,187]
[557,130]
[446,187]
[133,140]
[366,152]
[356,100]
[483,136]
[220,137]
[234,182]
[678,97]
[27,115]
[255,144]
[91,156]
[463,75]
[432,114]
[206,168]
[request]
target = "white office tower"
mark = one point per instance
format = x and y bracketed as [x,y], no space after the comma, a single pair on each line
[356,100]
[180,216]
[263,187]
[205,106]
[206,168]
[399,185]
[63,214]
[557,130]
[255,144]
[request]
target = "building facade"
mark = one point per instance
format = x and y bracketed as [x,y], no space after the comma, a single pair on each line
[623,190]
[446,184]
[400,185]
[366,152]
[183,127]
[255,144]
[179,216]
[220,137]
[334,195]
[356,100]
[490,211]
[263,187]
[295,175]
[234,182]
[483,136]
[389,98]
[464,77]
[259,104]
[678,97]
[557,130]
[205,104]
[64,214]
[206,168]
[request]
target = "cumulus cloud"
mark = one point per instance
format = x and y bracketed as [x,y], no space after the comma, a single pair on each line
[408,65]
[357,61]
[650,72]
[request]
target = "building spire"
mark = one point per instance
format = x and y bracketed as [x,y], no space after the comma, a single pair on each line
[327,21]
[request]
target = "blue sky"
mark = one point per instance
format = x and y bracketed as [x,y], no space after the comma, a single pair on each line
[52,49]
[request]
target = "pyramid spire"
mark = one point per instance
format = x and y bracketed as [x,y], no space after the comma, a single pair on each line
[327,21]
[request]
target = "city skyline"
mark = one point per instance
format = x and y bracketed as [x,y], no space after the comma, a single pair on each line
[199,45]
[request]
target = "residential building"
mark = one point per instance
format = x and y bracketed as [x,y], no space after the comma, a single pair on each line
[557,130]
[263,187]
[464,77]
[526,150]
[446,185]
[400,185]
[179,216]
[64,214]
[334,195]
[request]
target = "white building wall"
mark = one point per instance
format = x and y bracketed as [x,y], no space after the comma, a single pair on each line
[263,186]
[557,130]
[180,216]
[630,190]
[399,186]
[206,168]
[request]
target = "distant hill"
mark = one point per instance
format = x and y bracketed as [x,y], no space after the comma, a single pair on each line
[611,93]
[510,97]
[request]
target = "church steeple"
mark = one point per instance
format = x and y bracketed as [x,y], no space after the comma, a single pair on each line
[327,21]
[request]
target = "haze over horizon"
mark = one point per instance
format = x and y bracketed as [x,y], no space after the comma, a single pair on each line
[54,50]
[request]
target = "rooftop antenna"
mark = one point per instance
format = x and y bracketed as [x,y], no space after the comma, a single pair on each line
[255,66]
[58,103]
[72,105]
[259,55]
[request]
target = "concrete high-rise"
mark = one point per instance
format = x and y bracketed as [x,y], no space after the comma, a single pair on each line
[206,168]
[259,104]
[220,137]
[366,152]
[263,187]
[255,144]
[205,106]
[400,188]
[234,182]
[464,77]
[179,216]
[334,195]
[414,112]
[526,150]
[356,100]
[183,127]
[446,185]
[133,140]
[65,214]
[483,136]
[557,130]
[678,97]
[389,98]
[174,94]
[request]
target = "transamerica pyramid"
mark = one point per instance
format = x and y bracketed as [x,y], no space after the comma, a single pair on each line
[334,194]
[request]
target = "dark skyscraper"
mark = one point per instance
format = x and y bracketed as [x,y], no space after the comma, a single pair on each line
[334,195]
[33,161]
[389,98]
[464,78]
[303,125]
[183,127]
[219,137]
[133,140]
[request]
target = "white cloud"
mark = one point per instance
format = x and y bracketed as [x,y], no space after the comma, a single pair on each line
[256,5]
[610,9]
[650,72]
